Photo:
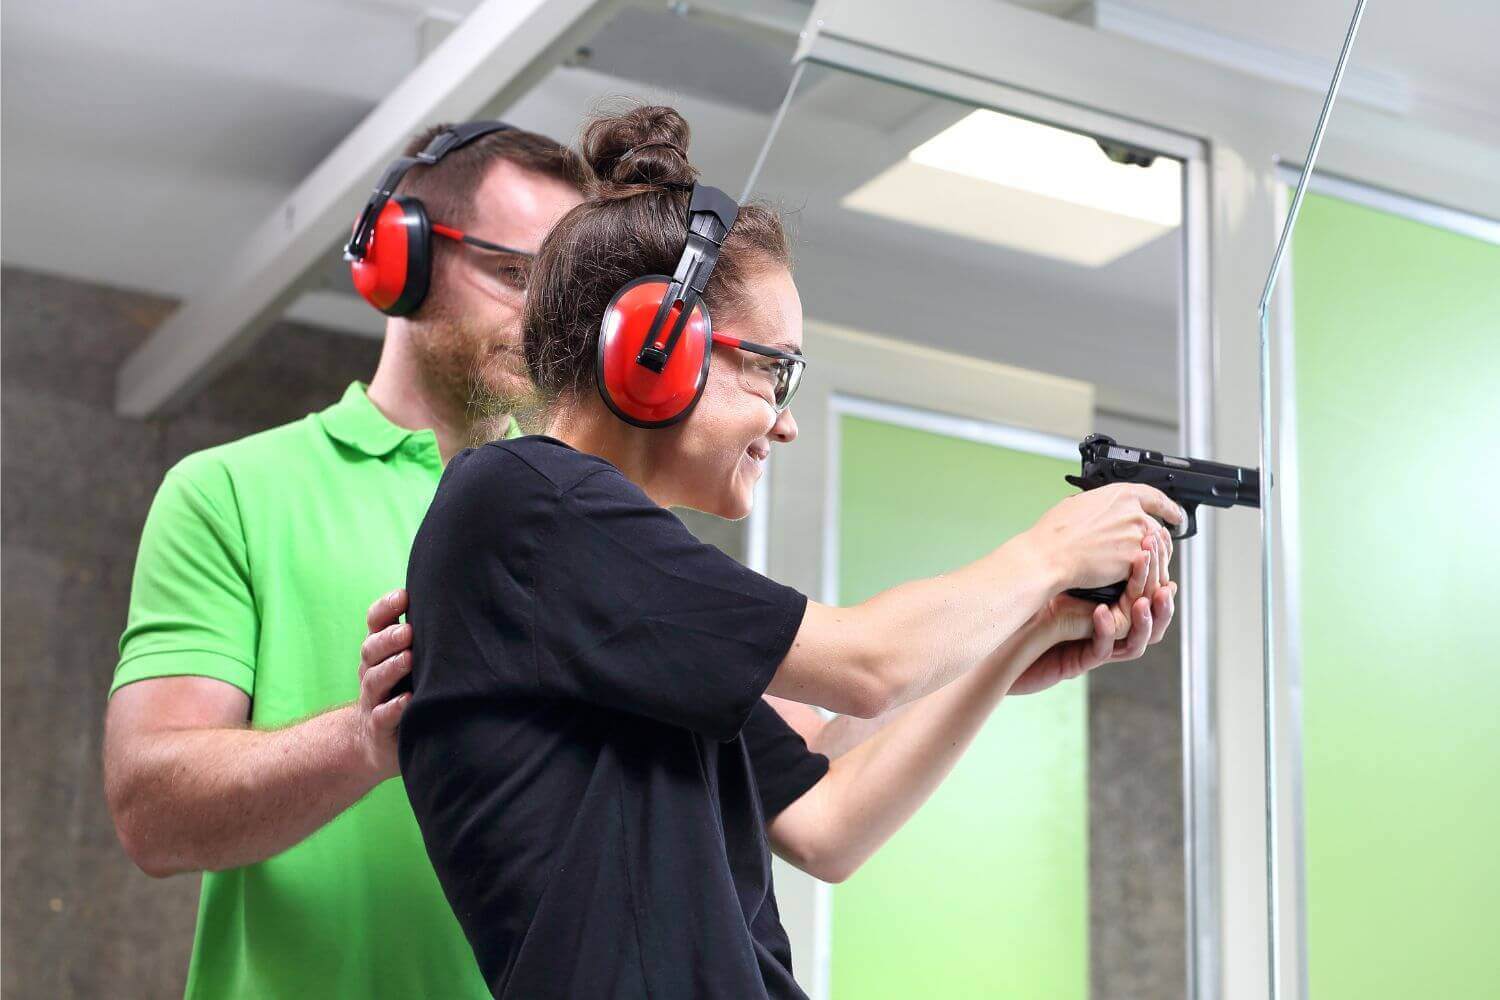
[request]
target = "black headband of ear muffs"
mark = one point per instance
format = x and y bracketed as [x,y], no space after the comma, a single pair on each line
[441,145]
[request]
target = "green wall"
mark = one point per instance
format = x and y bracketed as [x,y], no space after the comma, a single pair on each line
[1397,352]
[985,892]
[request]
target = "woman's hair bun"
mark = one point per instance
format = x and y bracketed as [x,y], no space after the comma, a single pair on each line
[644,145]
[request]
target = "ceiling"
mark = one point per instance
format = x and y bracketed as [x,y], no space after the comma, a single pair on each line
[1442,50]
[140,140]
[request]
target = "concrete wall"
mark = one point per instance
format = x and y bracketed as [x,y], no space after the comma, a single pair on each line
[1137,926]
[79,920]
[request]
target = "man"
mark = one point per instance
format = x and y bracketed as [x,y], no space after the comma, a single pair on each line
[231,743]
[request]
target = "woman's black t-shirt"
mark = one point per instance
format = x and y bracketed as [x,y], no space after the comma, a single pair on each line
[586,750]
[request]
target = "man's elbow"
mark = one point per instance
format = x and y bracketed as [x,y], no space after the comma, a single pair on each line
[142,845]
[141,849]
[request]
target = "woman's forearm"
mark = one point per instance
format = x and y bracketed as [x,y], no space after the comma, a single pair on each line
[876,786]
[928,632]
[914,638]
[842,733]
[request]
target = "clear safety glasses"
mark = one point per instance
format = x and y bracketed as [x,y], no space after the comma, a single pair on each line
[769,371]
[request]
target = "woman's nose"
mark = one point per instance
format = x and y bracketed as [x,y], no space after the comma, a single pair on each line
[785,428]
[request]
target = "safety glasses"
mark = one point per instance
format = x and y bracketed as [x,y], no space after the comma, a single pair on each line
[514,264]
[772,372]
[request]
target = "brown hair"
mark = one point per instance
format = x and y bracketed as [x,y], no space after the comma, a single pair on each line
[634,223]
[448,188]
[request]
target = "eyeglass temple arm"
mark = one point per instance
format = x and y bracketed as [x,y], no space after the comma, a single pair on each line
[454,234]
[754,348]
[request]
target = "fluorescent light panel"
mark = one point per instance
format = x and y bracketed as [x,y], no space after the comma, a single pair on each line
[1030,187]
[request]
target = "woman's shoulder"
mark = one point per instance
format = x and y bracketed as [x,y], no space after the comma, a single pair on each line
[534,463]
[495,496]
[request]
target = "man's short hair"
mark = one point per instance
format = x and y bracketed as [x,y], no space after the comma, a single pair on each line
[448,187]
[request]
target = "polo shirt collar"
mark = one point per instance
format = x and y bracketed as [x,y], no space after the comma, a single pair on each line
[358,423]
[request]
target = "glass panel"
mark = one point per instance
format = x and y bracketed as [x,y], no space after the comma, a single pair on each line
[1383,719]
[1387,448]
[997,860]
[946,225]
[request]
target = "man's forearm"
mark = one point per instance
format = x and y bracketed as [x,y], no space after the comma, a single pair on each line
[889,767]
[210,799]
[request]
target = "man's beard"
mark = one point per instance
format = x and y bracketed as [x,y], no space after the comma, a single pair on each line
[472,374]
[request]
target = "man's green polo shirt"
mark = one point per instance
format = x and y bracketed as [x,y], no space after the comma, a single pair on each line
[257,565]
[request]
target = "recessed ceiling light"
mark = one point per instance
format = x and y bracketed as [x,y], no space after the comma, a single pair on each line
[1030,187]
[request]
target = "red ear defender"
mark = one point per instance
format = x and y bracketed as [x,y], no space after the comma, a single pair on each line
[390,250]
[637,394]
[655,338]
[394,272]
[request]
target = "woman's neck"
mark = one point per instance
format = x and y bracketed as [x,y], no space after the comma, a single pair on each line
[629,449]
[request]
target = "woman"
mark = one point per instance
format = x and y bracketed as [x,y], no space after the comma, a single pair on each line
[597,775]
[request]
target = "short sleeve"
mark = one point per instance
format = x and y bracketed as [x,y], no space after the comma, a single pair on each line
[783,765]
[191,608]
[635,614]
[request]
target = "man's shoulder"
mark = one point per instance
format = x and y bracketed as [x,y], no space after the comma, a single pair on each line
[267,455]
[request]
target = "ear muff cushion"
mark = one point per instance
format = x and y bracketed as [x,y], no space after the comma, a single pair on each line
[394,274]
[634,392]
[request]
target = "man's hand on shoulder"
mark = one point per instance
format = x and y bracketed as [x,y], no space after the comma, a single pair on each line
[384,661]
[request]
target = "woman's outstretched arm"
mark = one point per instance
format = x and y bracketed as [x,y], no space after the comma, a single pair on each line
[874,788]
[915,638]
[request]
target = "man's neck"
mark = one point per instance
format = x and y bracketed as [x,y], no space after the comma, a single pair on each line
[399,391]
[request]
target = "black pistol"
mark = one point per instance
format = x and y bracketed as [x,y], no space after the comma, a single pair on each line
[1189,481]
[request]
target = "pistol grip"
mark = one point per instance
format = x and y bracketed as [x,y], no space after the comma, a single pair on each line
[1099,595]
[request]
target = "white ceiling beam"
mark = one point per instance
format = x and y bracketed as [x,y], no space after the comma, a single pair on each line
[499,52]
